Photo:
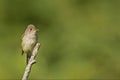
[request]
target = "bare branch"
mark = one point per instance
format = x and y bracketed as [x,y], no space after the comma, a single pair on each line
[31,62]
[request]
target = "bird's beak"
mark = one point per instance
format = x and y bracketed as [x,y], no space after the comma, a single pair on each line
[37,29]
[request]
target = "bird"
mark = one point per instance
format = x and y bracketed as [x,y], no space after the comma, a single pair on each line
[29,40]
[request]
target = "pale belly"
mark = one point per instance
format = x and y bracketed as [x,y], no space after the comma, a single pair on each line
[28,45]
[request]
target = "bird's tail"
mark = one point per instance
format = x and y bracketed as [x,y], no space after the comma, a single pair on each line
[27,58]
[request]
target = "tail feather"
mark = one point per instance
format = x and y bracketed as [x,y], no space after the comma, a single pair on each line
[27,58]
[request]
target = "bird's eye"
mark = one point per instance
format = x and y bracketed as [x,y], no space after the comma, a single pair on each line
[30,29]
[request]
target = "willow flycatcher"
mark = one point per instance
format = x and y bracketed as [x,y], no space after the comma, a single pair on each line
[29,40]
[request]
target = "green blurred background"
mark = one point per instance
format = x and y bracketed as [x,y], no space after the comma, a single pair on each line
[80,39]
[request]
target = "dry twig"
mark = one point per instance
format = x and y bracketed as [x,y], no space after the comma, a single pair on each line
[31,62]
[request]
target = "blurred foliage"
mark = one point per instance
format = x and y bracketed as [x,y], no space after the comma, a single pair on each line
[80,39]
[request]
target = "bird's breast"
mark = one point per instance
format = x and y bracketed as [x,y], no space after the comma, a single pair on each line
[28,44]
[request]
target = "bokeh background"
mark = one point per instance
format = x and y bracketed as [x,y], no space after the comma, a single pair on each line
[80,39]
